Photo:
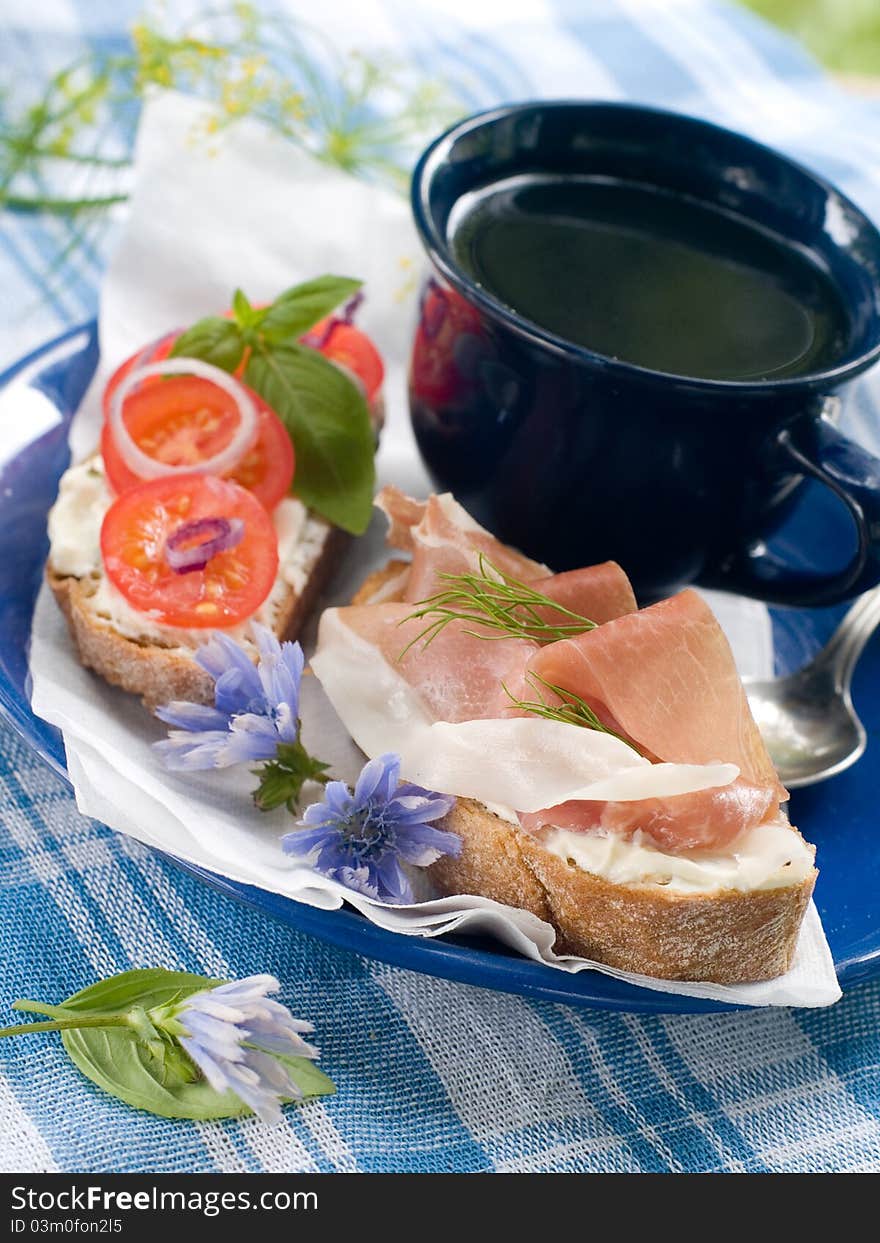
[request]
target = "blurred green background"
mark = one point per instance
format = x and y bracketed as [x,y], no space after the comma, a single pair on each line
[843,34]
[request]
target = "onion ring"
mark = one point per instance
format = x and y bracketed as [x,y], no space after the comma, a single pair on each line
[146,467]
[220,534]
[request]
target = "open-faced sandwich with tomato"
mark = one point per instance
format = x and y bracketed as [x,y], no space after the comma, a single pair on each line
[235,459]
[608,774]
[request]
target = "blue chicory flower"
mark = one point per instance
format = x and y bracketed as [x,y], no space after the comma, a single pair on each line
[256,707]
[360,838]
[232,1033]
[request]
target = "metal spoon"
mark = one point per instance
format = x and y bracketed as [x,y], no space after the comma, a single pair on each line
[807,718]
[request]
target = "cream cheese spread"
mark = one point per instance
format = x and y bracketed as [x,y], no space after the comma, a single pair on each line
[768,856]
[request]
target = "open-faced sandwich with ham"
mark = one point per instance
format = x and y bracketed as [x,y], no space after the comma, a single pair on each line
[609,775]
[235,459]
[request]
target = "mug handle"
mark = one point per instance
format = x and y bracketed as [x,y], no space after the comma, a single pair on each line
[818,449]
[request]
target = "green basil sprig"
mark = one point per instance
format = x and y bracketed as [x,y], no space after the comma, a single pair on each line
[110,1033]
[323,410]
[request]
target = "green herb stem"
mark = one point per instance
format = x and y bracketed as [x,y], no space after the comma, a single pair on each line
[41,1007]
[35,151]
[65,1024]
[572,710]
[59,206]
[501,605]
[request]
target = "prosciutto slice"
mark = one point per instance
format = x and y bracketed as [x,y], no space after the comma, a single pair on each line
[447,540]
[523,763]
[458,677]
[665,677]
[662,678]
[701,819]
[598,592]
[403,513]
[443,538]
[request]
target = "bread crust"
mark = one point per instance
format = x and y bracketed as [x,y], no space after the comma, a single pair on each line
[492,862]
[379,584]
[723,937]
[158,673]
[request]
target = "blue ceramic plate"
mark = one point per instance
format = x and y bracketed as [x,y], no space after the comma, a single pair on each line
[37,399]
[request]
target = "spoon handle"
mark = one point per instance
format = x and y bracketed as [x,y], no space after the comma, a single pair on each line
[843,649]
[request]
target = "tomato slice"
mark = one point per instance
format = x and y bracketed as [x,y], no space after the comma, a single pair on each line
[152,353]
[183,420]
[158,418]
[233,584]
[267,469]
[345,344]
[353,349]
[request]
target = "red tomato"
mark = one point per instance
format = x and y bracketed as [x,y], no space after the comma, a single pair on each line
[353,349]
[267,468]
[232,585]
[152,353]
[184,420]
[345,344]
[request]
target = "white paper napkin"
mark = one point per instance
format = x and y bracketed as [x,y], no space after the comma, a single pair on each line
[253,211]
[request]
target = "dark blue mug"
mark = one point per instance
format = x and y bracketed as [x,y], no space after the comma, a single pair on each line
[576,457]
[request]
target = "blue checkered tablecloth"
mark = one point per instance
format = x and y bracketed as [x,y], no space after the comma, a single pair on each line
[432,1076]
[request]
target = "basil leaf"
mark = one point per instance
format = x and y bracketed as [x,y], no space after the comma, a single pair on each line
[118,1062]
[214,340]
[329,423]
[298,309]
[241,308]
[247,316]
[308,1078]
[146,987]
[115,1060]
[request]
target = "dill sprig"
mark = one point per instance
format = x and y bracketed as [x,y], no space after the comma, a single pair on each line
[499,604]
[573,710]
[367,114]
[505,608]
[65,143]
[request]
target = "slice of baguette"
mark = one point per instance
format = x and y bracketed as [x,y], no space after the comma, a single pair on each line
[162,670]
[721,936]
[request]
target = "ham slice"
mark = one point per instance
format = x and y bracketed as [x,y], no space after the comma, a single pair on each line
[665,677]
[702,819]
[444,539]
[448,541]
[523,763]
[458,677]
[403,513]
[598,592]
